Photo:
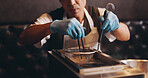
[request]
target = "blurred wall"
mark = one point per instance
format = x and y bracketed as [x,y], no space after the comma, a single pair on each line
[126,9]
[26,11]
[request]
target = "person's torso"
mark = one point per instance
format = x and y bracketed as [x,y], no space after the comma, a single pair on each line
[59,41]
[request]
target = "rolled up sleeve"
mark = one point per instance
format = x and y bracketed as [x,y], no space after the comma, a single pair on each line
[43,19]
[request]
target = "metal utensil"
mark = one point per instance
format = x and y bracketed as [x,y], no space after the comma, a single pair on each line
[109,7]
[79,57]
[99,41]
[80,47]
[83,50]
[79,44]
[100,36]
[82,44]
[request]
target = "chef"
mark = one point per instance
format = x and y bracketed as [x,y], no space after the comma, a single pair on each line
[62,27]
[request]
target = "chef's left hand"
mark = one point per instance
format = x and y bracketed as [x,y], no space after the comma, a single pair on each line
[110,23]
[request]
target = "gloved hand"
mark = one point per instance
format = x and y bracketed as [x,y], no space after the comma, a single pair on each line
[70,27]
[110,23]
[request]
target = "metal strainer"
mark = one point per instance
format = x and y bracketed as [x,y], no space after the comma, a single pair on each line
[78,56]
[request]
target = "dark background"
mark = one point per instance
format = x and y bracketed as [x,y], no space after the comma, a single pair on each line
[26,11]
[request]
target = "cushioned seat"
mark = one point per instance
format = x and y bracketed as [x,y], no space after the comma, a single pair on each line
[136,47]
[17,61]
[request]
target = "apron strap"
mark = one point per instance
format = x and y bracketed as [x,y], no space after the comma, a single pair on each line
[90,21]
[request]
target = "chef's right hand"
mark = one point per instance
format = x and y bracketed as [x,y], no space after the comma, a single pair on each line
[70,27]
